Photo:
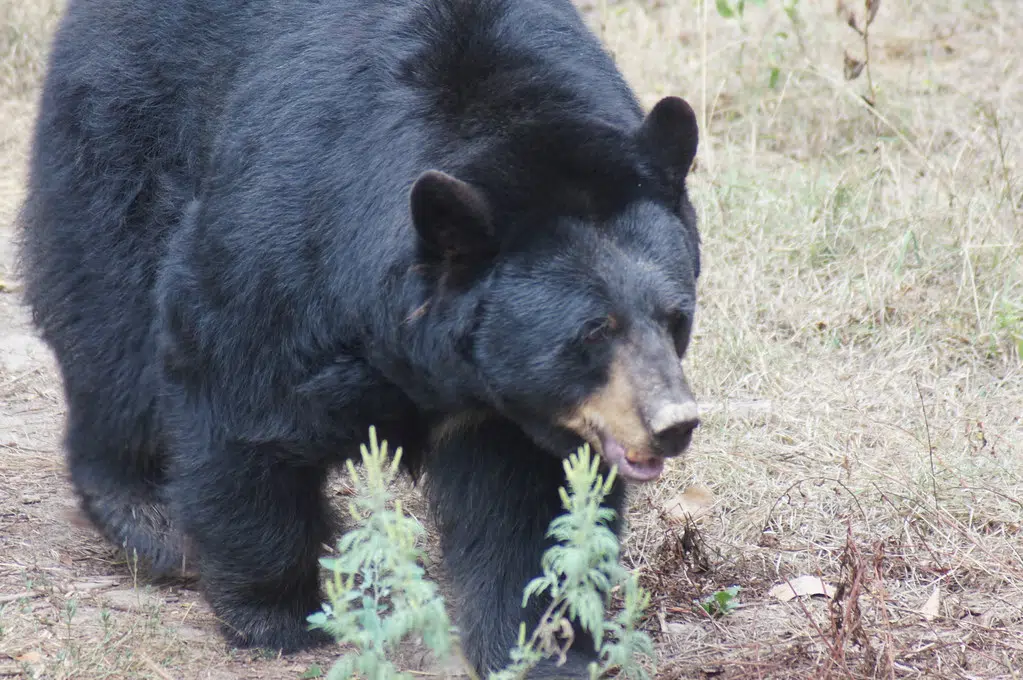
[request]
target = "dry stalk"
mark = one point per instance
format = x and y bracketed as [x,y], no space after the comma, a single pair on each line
[881,596]
[846,615]
[930,446]
[852,66]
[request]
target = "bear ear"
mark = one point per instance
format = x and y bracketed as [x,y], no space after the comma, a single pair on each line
[670,135]
[452,217]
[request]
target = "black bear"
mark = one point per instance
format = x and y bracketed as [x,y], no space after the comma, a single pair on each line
[253,229]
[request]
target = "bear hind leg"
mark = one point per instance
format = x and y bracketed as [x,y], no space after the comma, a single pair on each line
[120,489]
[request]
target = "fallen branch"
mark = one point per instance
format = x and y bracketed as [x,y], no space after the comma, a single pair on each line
[14,597]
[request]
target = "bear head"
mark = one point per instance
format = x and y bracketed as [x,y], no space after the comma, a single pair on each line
[578,244]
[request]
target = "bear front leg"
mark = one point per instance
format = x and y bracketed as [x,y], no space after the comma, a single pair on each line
[494,494]
[258,520]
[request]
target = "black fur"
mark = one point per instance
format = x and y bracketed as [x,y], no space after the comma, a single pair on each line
[522,486]
[226,246]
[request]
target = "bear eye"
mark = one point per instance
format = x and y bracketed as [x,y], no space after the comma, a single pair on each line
[600,330]
[681,327]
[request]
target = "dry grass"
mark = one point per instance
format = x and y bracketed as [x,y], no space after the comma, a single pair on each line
[25,29]
[858,342]
[864,286]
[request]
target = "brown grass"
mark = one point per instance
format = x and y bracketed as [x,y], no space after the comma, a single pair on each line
[858,354]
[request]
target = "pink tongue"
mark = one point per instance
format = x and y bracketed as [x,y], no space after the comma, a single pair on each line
[645,471]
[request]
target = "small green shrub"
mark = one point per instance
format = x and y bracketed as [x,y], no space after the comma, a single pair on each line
[378,595]
[722,602]
[1009,324]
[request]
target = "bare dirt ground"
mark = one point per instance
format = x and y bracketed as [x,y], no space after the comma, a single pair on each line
[858,352]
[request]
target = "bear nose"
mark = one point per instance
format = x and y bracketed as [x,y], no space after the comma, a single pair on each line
[673,428]
[675,439]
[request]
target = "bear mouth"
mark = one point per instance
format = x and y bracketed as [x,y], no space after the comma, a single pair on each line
[631,463]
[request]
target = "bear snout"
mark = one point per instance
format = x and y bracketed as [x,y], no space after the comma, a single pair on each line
[672,427]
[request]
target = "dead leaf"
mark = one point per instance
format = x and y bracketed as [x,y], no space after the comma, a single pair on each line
[30,657]
[802,585]
[691,503]
[872,7]
[930,608]
[843,11]
[847,15]
[852,67]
